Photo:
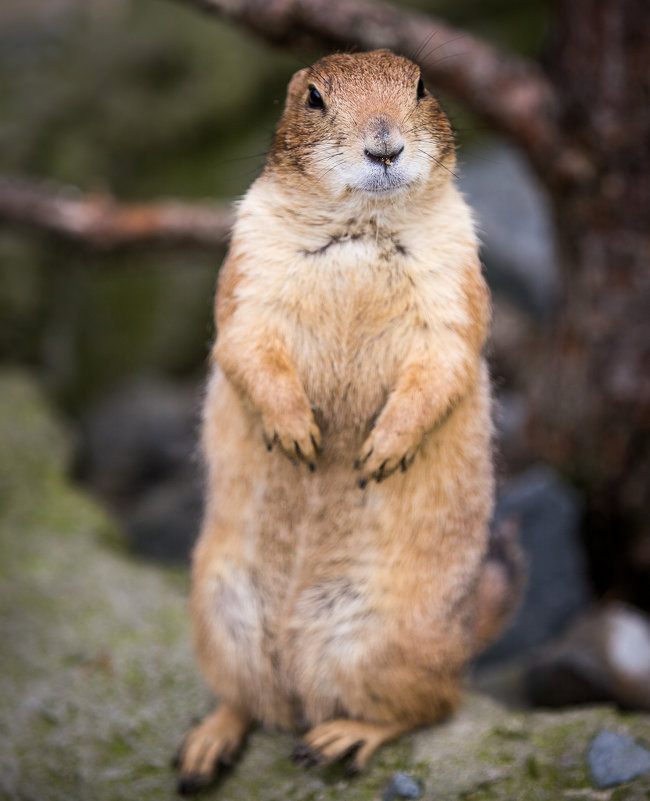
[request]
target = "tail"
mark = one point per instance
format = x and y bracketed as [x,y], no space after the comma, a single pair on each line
[501,583]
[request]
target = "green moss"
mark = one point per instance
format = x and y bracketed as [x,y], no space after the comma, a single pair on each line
[532,767]
[514,731]
[120,748]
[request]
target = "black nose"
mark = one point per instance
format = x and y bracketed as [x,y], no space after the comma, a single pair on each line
[383,157]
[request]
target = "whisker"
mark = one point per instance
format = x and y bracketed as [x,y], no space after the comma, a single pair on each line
[327,157]
[246,158]
[322,77]
[418,127]
[480,158]
[444,44]
[333,167]
[451,55]
[438,162]
[423,44]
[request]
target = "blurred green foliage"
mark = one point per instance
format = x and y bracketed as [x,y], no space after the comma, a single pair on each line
[145,99]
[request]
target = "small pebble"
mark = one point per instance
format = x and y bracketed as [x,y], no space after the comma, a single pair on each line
[614,758]
[402,786]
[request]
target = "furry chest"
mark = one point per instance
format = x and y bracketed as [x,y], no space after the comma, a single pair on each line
[347,329]
[347,376]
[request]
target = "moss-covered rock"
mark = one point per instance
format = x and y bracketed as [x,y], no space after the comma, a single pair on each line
[96,674]
[97,681]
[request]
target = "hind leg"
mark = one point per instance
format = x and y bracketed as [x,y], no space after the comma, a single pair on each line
[337,739]
[213,743]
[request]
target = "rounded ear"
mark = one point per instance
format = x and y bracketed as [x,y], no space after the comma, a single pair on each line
[296,85]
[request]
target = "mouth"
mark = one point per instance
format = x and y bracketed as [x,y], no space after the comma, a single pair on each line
[387,182]
[382,189]
[377,180]
[389,190]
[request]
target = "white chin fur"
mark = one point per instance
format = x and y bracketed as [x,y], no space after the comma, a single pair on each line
[375,180]
[380,191]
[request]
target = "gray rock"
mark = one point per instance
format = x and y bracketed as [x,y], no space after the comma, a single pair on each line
[614,758]
[548,512]
[402,786]
[163,523]
[141,459]
[604,656]
[140,434]
[515,225]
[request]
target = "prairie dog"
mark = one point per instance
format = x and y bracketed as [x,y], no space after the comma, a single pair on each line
[347,431]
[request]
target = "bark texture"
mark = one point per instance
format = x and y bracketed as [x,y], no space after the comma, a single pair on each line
[510,93]
[593,387]
[99,221]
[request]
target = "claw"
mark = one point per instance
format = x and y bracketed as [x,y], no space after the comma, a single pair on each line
[307,756]
[210,748]
[351,769]
[300,752]
[380,473]
[367,456]
[191,783]
[303,755]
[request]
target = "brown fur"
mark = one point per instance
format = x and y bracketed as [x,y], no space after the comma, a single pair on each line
[351,316]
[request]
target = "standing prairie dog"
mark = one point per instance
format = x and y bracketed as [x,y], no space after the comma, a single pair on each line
[340,582]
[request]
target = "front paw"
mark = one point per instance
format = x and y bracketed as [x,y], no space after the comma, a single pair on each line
[297,436]
[383,452]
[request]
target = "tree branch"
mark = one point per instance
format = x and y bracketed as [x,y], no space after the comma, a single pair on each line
[509,92]
[98,221]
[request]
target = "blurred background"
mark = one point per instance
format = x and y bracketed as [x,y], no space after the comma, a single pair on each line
[151,100]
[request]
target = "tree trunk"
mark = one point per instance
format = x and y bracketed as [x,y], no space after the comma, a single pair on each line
[592,397]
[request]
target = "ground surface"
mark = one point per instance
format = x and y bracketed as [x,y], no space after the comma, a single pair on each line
[97,682]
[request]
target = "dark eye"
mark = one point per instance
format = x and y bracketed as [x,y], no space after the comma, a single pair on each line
[315,100]
[421,90]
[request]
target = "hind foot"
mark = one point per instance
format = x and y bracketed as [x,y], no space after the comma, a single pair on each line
[338,739]
[212,744]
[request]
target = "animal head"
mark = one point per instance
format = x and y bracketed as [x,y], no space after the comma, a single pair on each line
[363,124]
